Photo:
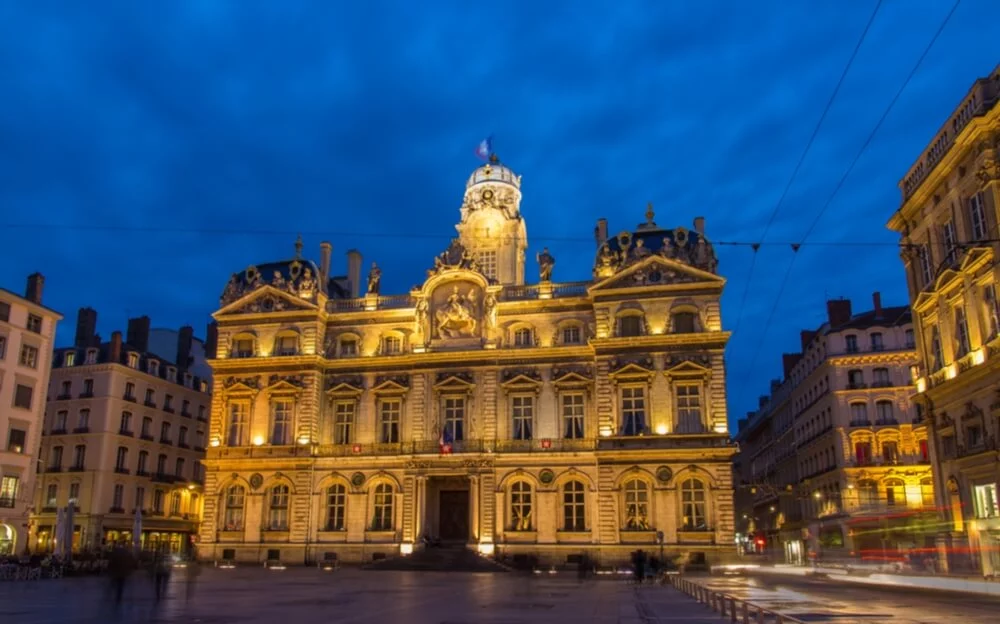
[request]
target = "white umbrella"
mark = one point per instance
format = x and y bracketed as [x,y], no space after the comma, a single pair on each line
[67,550]
[57,534]
[137,530]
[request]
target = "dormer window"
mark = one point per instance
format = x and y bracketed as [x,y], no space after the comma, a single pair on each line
[392,345]
[348,347]
[523,337]
[572,335]
[187,380]
[69,359]
[133,360]
[153,368]
[171,374]
[243,347]
[684,322]
[630,325]
[287,344]
[91,357]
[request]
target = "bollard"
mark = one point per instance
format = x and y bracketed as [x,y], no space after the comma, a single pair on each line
[722,606]
[760,615]
[732,610]
[746,613]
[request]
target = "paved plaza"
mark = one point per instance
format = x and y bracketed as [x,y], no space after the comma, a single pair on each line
[304,596]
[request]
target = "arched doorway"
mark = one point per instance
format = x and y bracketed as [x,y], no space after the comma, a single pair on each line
[8,539]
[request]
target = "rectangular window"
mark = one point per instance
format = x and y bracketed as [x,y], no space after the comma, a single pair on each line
[454,418]
[22,396]
[392,345]
[239,414]
[863,453]
[168,403]
[161,465]
[633,410]
[522,416]
[487,263]
[948,239]
[688,405]
[3,346]
[121,460]
[572,414]
[179,468]
[4,311]
[926,266]
[925,455]
[88,389]
[880,378]
[389,414]
[79,456]
[884,414]
[977,216]
[281,422]
[182,436]
[59,425]
[242,348]
[630,325]
[69,358]
[859,413]
[986,500]
[348,347]
[140,497]
[129,391]
[55,459]
[910,341]
[140,467]
[150,397]
[852,343]
[91,357]
[287,345]
[52,495]
[74,494]
[158,501]
[133,359]
[16,440]
[876,340]
[34,323]
[336,507]
[8,490]
[343,422]
[175,504]
[890,453]
[153,367]
[165,433]
[83,421]
[147,428]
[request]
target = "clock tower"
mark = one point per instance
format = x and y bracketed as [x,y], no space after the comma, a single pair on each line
[492,228]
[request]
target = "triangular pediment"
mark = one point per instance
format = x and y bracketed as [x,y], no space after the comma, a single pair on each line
[656,271]
[633,370]
[345,385]
[265,300]
[454,381]
[391,385]
[288,383]
[238,385]
[521,380]
[689,369]
[570,378]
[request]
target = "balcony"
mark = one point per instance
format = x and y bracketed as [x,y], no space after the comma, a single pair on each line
[149,403]
[129,397]
[87,395]
[886,422]
[116,510]
[6,502]
[861,422]
[168,409]
[65,396]
[141,473]
[76,468]
[185,414]
[856,385]
[882,383]
[58,431]
[54,469]
[81,430]
[202,418]
[148,437]
[669,441]
[166,441]
[199,447]
[163,477]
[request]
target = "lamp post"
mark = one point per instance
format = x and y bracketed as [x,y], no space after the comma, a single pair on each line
[659,538]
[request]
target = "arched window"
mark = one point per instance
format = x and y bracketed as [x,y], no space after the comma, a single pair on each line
[684,322]
[524,337]
[243,346]
[277,509]
[382,508]
[693,508]
[574,507]
[520,506]
[347,345]
[336,507]
[232,519]
[636,506]
[895,493]
[927,492]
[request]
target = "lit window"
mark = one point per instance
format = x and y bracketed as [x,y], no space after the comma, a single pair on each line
[277,513]
[281,422]
[343,422]
[927,492]
[133,359]
[895,493]
[8,490]
[233,516]
[336,507]
[243,347]
[520,506]
[454,418]
[572,335]
[986,500]
[348,347]
[69,358]
[522,416]
[29,356]
[574,507]
[34,323]
[389,413]
[636,506]
[392,345]
[693,509]
[633,410]
[382,508]
[523,337]
[688,404]
[572,412]
[239,413]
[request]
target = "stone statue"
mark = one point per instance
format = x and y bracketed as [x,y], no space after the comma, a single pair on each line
[668,250]
[606,258]
[456,318]
[639,251]
[278,281]
[232,290]
[420,317]
[307,285]
[490,311]
[545,264]
[374,279]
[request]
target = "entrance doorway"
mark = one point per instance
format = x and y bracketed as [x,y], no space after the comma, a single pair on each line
[453,515]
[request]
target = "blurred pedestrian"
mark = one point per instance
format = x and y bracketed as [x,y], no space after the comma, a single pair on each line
[192,572]
[161,572]
[120,566]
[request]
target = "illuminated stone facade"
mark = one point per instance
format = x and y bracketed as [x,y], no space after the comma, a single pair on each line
[582,416]
[949,237]
[836,459]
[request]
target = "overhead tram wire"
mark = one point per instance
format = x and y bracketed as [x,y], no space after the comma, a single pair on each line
[843,178]
[802,159]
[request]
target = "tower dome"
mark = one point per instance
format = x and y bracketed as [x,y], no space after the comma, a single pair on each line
[493,172]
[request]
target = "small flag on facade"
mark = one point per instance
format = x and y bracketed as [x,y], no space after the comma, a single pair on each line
[444,441]
[485,148]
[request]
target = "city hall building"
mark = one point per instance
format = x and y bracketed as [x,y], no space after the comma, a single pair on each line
[547,420]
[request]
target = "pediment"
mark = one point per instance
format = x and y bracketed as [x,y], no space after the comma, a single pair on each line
[656,271]
[236,385]
[392,384]
[688,368]
[571,377]
[285,383]
[521,379]
[265,300]
[352,385]
[454,381]
[638,368]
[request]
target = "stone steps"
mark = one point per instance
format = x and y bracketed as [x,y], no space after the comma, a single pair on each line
[441,559]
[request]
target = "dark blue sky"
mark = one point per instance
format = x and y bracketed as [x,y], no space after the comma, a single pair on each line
[149,153]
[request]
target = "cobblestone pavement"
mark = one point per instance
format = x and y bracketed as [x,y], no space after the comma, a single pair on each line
[306,596]
[816,600]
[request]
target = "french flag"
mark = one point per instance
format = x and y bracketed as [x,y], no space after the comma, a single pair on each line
[485,148]
[444,441]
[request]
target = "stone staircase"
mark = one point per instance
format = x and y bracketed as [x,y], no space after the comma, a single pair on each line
[445,558]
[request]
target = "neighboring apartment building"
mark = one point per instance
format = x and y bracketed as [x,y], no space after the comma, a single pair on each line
[546,419]
[947,222]
[125,429]
[27,333]
[861,479]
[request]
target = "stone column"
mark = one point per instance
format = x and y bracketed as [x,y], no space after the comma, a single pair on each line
[420,508]
[474,507]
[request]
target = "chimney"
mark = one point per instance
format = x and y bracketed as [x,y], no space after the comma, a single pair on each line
[36,282]
[761,402]
[86,328]
[601,231]
[354,272]
[138,333]
[877,303]
[184,337]
[805,337]
[115,348]
[211,340]
[325,249]
[699,225]
[838,312]
[788,362]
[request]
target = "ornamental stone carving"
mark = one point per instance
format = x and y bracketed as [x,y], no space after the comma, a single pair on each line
[458,315]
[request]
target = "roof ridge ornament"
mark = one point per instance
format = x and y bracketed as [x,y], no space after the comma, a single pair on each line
[649,213]
[298,247]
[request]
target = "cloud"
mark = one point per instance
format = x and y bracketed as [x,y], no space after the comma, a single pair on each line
[249,122]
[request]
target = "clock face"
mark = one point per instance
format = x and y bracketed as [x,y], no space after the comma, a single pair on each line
[488,194]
